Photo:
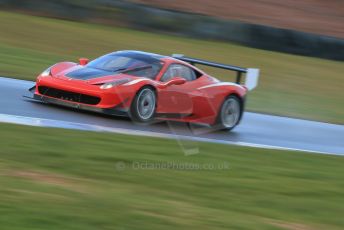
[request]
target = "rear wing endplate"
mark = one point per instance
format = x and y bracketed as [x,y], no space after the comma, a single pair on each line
[252,75]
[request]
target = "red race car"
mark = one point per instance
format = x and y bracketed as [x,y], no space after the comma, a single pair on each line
[146,86]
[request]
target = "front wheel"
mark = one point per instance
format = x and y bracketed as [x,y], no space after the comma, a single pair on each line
[230,113]
[143,106]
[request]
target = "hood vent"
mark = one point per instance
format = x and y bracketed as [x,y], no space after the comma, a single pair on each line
[87,73]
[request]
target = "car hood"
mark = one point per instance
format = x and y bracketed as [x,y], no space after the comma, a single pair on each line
[91,76]
[86,73]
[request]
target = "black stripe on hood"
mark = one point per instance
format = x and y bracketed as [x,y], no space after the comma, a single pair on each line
[87,73]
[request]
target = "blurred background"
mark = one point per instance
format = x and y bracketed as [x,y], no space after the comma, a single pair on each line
[260,34]
[64,179]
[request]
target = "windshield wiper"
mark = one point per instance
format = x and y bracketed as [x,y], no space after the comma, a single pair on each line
[125,70]
[119,69]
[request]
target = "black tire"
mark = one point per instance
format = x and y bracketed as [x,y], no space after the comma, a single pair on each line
[229,114]
[142,109]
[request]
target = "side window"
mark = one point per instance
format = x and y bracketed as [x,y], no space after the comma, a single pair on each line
[176,70]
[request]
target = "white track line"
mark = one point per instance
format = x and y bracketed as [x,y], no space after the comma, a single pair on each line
[42,122]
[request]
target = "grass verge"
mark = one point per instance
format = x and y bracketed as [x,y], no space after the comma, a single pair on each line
[63,179]
[290,85]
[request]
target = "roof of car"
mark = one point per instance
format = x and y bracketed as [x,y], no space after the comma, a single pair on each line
[148,57]
[140,55]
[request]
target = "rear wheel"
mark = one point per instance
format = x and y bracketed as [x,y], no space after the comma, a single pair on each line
[143,106]
[230,113]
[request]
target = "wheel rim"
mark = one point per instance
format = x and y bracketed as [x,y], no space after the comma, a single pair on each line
[146,104]
[230,113]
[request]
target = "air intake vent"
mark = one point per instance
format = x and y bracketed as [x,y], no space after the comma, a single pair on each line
[68,96]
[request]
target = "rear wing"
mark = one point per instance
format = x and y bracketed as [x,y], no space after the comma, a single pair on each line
[252,75]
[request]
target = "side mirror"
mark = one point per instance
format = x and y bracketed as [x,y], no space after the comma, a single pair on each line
[83,61]
[176,81]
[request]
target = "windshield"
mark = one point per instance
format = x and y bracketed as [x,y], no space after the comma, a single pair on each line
[133,64]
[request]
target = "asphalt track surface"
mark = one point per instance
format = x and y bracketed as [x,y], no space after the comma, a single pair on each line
[256,129]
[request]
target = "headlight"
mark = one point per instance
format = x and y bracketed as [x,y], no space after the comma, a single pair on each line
[114,83]
[46,72]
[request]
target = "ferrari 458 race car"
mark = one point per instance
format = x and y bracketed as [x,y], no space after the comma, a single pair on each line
[147,87]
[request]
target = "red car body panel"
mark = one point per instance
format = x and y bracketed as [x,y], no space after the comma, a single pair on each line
[197,101]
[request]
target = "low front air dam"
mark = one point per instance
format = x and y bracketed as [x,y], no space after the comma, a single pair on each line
[116,111]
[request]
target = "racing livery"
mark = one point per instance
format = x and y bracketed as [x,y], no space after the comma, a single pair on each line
[146,87]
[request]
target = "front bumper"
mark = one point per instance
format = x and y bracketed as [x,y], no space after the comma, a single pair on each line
[109,111]
[115,111]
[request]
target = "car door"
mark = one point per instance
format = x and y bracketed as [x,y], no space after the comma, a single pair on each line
[177,99]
